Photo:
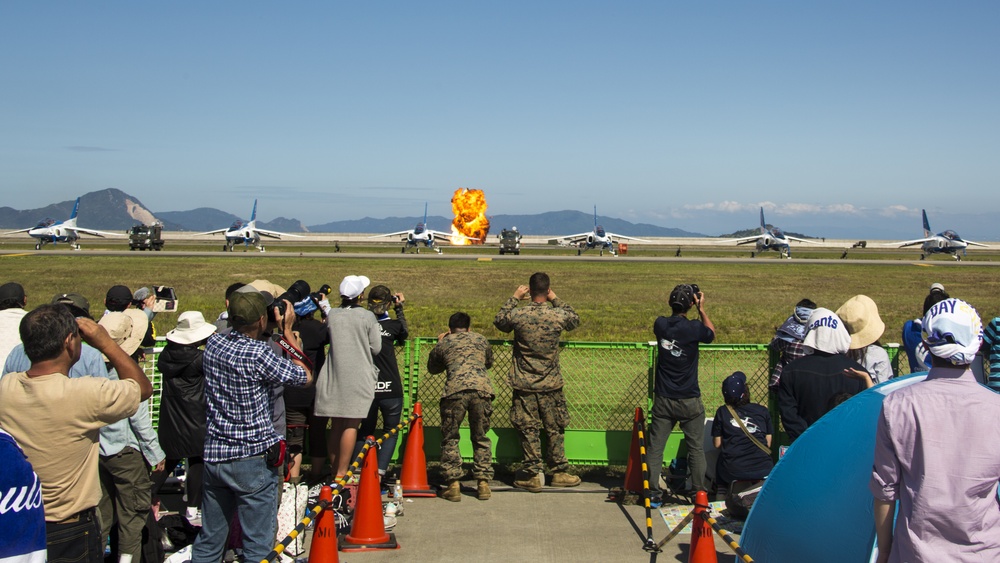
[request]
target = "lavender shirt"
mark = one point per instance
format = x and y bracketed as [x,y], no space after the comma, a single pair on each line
[937,451]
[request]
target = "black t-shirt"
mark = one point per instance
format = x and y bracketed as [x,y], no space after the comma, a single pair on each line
[740,459]
[315,337]
[677,340]
[394,331]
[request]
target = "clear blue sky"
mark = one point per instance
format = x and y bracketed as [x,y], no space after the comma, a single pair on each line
[688,114]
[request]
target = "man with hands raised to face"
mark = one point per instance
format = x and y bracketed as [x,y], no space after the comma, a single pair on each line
[538,401]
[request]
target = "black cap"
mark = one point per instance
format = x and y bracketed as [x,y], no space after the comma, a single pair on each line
[12,291]
[682,297]
[118,298]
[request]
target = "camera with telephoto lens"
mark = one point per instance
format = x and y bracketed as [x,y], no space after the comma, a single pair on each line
[695,290]
[324,291]
[298,291]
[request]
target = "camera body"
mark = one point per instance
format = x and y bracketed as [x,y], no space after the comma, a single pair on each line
[695,290]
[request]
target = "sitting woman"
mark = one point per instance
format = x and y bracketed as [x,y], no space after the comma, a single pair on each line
[742,433]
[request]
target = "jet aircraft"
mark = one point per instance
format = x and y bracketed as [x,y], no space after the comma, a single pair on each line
[947,242]
[420,235]
[52,231]
[598,238]
[771,238]
[246,233]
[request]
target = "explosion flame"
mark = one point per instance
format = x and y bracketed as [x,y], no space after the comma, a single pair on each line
[470,225]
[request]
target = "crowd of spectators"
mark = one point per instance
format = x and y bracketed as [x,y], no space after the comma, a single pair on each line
[268,373]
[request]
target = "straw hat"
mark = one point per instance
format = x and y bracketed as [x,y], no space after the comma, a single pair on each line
[191,328]
[860,314]
[127,328]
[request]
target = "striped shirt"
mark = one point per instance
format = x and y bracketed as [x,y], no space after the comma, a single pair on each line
[239,375]
[991,336]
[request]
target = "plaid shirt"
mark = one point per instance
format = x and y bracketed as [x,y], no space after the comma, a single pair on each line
[239,375]
[789,351]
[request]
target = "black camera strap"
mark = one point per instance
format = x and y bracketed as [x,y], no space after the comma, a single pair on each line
[292,350]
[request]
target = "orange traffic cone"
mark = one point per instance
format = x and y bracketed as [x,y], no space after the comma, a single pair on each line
[633,471]
[323,548]
[413,476]
[702,543]
[368,528]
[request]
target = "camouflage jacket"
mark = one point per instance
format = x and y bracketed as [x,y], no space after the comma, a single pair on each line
[537,329]
[465,356]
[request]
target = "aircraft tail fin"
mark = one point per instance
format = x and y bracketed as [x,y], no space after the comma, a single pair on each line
[425,214]
[927,226]
[595,216]
[763,225]
[253,214]
[76,207]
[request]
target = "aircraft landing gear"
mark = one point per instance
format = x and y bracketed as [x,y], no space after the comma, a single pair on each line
[402,250]
[578,252]
[76,247]
[921,256]
[958,258]
[438,250]
[38,246]
[753,255]
[262,249]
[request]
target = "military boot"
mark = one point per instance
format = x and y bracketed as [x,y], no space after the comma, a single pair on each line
[565,480]
[452,492]
[533,484]
[483,491]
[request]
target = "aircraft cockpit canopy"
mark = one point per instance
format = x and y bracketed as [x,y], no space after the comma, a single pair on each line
[777,232]
[238,224]
[418,229]
[47,222]
[600,231]
[951,235]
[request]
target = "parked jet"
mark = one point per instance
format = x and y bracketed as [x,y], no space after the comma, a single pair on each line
[947,242]
[420,235]
[246,233]
[598,238]
[770,238]
[52,231]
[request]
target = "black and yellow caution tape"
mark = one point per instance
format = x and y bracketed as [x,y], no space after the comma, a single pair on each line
[337,487]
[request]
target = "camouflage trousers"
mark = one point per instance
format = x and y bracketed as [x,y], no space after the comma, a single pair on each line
[453,409]
[529,414]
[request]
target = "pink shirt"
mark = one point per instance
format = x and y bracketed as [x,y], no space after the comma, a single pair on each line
[937,451]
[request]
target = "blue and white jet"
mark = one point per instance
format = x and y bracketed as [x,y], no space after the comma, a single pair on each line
[946,242]
[420,235]
[598,238]
[770,238]
[51,231]
[246,233]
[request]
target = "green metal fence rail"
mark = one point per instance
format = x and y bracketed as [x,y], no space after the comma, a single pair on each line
[605,381]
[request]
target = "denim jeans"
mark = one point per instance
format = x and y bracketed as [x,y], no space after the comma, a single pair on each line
[75,542]
[248,487]
[690,414]
[391,409]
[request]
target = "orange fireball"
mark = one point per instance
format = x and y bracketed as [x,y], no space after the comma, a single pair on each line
[470,225]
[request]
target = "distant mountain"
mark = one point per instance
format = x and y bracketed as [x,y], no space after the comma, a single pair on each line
[553,223]
[109,209]
[113,209]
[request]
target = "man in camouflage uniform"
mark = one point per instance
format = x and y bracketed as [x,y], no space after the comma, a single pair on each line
[537,383]
[465,356]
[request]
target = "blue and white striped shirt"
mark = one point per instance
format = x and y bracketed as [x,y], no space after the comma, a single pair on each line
[239,375]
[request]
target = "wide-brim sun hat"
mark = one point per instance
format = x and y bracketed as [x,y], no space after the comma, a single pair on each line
[191,328]
[860,315]
[127,328]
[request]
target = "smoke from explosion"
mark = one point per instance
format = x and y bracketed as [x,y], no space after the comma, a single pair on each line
[470,225]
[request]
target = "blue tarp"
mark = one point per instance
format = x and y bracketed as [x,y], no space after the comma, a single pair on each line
[816,506]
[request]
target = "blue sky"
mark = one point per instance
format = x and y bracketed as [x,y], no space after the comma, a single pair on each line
[681,114]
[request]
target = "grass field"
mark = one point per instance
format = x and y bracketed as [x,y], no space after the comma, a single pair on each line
[617,299]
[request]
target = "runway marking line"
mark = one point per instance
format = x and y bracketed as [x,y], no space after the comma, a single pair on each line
[22,254]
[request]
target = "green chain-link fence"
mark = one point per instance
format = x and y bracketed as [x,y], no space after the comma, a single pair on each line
[605,382]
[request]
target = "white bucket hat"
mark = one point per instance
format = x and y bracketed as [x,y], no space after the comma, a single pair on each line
[191,328]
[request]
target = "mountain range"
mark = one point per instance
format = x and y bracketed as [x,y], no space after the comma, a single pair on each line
[113,209]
